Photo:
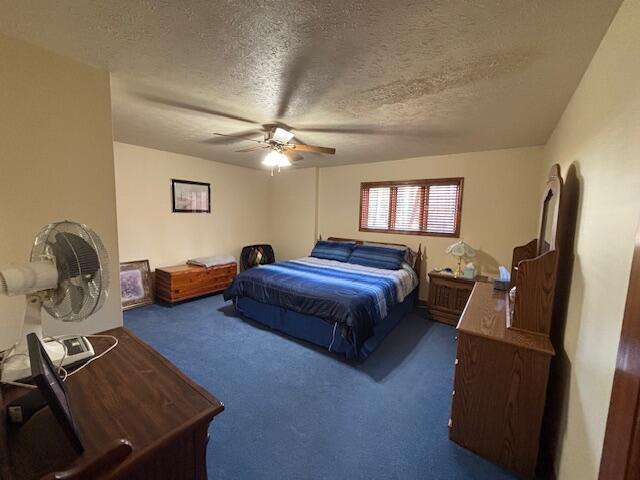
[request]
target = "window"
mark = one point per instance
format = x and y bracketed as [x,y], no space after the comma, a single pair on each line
[419,207]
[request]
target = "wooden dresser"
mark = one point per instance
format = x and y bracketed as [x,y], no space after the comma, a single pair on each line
[500,384]
[448,296]
[504,352]
[182,282]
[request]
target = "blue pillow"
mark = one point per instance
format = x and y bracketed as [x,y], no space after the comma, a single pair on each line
[377,257]
[339,251]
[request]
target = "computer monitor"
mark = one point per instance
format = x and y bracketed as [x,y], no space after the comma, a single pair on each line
[52,388]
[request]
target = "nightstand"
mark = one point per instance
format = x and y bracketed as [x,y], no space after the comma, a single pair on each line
[448,296]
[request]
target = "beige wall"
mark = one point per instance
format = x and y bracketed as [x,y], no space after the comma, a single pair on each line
[56,163]
[499,206]
[292,206]
[597,144]
[149,230]
[499,211]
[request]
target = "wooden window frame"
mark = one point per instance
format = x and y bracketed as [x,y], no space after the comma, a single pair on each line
[423,211]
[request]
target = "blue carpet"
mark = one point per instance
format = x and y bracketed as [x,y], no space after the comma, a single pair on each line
[294,411]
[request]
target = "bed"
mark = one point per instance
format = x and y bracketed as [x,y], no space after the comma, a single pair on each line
[330,299]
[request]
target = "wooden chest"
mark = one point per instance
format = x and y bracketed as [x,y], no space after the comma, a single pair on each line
[181,282]
[448,296]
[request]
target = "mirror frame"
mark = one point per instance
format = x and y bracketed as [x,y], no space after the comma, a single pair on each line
[553,189]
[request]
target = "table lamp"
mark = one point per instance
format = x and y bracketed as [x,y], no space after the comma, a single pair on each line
[462,251]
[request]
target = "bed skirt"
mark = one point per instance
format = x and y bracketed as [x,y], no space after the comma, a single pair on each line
[321,332]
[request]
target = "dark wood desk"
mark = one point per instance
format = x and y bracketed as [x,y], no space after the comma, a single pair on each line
[131,393]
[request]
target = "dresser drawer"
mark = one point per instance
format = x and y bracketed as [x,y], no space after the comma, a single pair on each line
[499,401]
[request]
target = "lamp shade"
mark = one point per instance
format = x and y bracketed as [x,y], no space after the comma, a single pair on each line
[461,249]
[276,159]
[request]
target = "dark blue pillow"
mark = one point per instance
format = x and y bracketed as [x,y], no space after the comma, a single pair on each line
[339,251]
[377,257]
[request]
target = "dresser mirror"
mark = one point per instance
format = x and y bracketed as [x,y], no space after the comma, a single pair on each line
[549,213]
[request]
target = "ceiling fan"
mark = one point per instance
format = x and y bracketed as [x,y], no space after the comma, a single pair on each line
[277,135]
[282,151]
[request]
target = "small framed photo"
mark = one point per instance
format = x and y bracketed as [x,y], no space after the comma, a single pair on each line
[135,284]
[191,197]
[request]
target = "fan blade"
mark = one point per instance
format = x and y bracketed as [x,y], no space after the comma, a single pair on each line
[194,108]
[357,130]
[388,131]
[240,138]
[311,148]
[291,80]
[73,293]
[236,137]
[60,292]
[77,298]
[312,71]
[293,157]
[252,149]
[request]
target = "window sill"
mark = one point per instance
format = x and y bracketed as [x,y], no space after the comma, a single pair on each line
[411,232]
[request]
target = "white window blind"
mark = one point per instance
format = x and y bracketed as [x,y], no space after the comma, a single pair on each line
[423,207]
[378,200]
[442,209]
[408,207]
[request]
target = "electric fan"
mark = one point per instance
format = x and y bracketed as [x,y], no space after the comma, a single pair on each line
[67,276]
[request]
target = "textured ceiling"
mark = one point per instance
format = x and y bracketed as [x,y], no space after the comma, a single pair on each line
[398,78]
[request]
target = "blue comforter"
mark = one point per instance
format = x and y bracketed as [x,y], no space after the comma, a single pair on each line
[356,300]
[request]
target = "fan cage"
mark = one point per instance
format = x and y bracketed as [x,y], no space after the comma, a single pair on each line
[80,296]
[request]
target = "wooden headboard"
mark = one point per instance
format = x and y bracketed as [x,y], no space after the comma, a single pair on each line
[417,265]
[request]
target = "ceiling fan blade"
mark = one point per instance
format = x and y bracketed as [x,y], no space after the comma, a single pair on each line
[239,138]
[291,79]
[311,72]
[387,131]
[311,148]
[357,130]
[236,137]
[194,108]
[252,149]
[293,156]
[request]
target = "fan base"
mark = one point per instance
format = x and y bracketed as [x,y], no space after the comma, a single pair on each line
[79,350]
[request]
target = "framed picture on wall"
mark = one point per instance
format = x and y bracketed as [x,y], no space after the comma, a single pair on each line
[190,197]
[135,284]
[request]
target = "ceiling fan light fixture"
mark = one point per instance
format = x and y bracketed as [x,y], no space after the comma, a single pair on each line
[281,135]
[276,159]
